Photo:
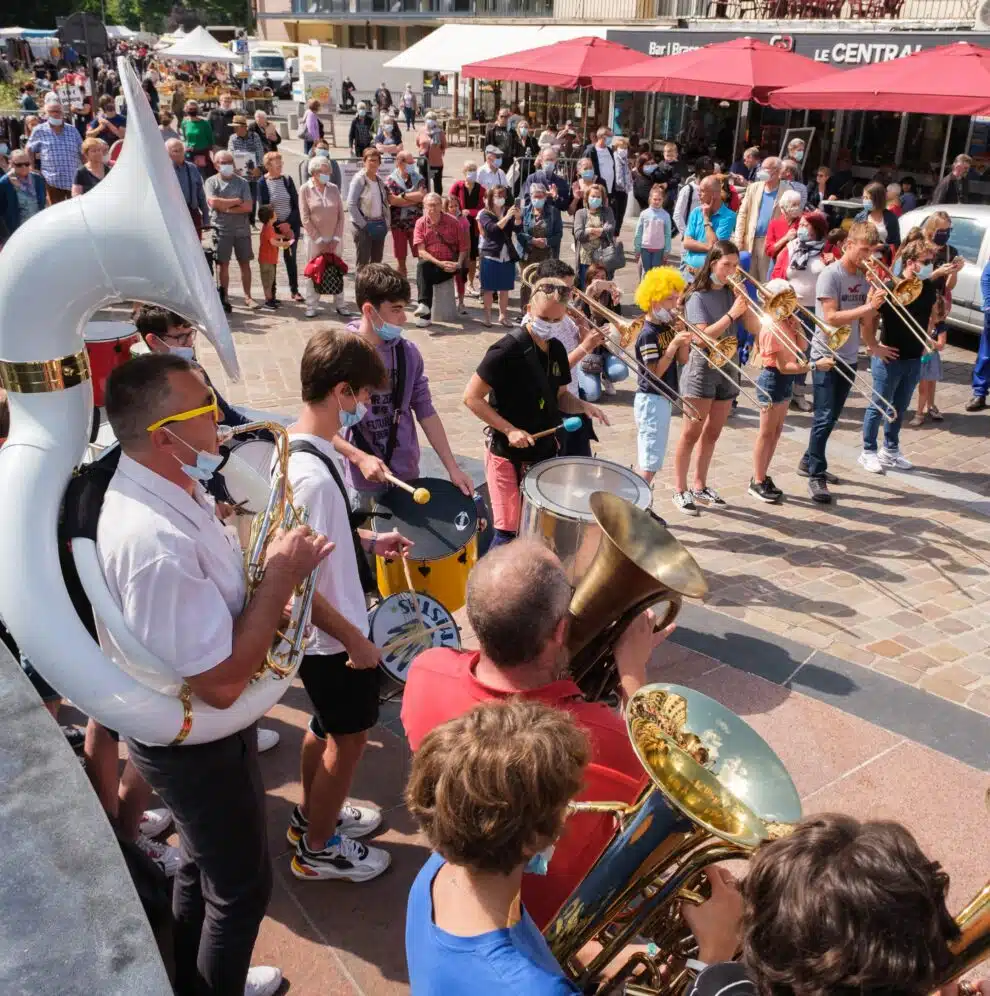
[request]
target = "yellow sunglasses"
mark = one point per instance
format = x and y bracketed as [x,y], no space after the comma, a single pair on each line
[212,408]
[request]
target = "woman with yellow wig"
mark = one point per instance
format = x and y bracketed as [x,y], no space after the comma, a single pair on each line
[657,349]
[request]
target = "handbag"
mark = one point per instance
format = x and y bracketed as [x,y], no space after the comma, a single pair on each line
[611,254]
[376,229]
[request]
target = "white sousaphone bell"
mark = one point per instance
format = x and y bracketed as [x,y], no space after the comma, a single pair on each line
[130,238]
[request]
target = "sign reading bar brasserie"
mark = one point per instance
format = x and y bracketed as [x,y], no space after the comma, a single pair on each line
[844,50]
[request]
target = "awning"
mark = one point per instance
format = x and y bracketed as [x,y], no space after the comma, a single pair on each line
[454,45]
[199,46]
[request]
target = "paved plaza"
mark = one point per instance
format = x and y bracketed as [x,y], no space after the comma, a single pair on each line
[855,637]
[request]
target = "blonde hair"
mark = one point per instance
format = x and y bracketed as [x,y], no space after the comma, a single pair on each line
[489,788]
[91,143]
[657,285]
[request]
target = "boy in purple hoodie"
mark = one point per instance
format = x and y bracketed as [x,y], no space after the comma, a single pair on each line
[386,439]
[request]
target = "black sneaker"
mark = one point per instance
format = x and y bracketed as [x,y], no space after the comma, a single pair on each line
[227,306]
[270,306]
[763,491]
[768,481]
[976,404]
[818,489]
[684,501]
[802,471]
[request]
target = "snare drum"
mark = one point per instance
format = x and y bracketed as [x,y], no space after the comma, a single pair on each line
[247,474]
[444,532]
[108,345]
[555,506]
[397,618]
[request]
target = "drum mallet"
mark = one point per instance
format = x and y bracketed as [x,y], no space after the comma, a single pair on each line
[571,424]
[420,495]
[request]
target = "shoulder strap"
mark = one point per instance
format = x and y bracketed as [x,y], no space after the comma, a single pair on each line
[398,395]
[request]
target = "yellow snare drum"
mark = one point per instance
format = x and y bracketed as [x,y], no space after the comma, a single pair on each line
[444,532]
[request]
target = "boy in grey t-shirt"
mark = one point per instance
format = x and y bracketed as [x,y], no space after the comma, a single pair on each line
[843,298]
[230,201]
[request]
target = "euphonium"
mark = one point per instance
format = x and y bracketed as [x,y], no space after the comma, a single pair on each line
[717,791]
[130,238]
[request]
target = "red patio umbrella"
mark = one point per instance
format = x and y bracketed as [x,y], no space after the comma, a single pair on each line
[567,64]
[741,69]
[950,79]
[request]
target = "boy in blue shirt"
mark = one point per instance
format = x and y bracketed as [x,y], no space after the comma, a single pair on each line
[490,791]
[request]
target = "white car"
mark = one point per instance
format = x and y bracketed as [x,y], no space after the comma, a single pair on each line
[970,237]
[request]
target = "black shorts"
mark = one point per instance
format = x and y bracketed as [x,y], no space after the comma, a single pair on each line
[345,699]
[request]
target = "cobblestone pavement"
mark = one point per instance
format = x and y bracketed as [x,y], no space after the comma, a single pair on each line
[894,575]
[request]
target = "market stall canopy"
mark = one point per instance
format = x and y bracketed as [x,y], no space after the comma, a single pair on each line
[741,69]
[199,46]
[452,46]
[26,33]
[951,79]
[566,64]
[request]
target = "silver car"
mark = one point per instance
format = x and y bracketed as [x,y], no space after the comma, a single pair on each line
[970,237]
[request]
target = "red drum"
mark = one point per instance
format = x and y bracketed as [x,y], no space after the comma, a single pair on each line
[108,345]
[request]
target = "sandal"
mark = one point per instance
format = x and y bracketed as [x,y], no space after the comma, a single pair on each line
[917,421]
[298,298]
[936,415]
[506,322]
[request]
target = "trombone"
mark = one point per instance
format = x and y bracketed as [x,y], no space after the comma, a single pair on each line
[628,331]
[833,337]
[899,294]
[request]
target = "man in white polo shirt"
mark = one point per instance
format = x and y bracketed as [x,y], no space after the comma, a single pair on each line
[176,573]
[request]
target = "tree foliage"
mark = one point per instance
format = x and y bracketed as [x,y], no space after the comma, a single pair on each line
[151,15]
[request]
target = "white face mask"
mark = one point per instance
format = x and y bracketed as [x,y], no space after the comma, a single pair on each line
[544,329]
[227,169]
[498,202]
[659,314]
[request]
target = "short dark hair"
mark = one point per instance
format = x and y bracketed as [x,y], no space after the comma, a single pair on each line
[265,213]
[152,320]
[331,358]
[489,785]
[377,283]
[843,908]
[554,268]
[704,166]
[138,392]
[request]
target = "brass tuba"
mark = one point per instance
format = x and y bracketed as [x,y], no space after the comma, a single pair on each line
[638,563]
[717,792]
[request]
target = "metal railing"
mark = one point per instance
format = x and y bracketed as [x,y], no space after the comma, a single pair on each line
[640,10]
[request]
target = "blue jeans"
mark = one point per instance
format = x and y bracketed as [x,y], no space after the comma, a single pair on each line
[981,368]
[651,258]
[831,391]
[590,385]
[410,115]
[896,381]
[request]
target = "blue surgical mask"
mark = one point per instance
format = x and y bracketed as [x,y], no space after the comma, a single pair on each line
[867,205]
[472,176]
[325,153]
[387,332]
[538,202]
[594,202]
[186,352]
[349,419]
[587,174]
[549,167]
[498,161]
[523,132]
[804,235]
[539,864]
[608,142]
[798,156]
[207,464]
[650,168]
[926,271]
[763,174]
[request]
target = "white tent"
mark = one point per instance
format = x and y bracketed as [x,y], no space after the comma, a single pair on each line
[199,46]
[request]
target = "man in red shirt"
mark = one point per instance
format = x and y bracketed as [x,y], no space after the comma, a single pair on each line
[442,248]
[517,601]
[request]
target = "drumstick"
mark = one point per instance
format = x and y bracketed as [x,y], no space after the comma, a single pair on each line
[401,641]
[405,570]
[420,495]
[571,424]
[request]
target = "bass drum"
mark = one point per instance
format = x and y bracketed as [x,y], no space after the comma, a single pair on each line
[397,625]
[108,345]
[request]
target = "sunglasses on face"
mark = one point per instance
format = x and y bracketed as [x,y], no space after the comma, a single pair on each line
[212,408]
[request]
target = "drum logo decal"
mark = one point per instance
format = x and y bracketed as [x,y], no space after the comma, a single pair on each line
[461,521]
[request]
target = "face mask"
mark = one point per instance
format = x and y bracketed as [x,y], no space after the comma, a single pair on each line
[523,132]
[649,169]
[350,419]
[587,174]
[543,329]
[941,238]
[207,464]
[362,113]
[539,864]
[498,162]
[798,156]
[608,142]
[322,178]
[762,174]
[386,331]
[106,159]
[926,271]
[324,153]
[471,177]
[538,202]
[186,352]
[499,202]
[594,202]
[716,282]
[659,314]
[803,235]
[387,124]
[549,167]
[227,169]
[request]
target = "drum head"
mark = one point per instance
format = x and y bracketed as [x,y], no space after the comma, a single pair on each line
[564,485]
[439,528]
[250,493]
[109,331]
[395,623]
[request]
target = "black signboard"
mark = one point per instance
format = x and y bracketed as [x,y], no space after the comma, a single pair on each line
[842,49]
[85,33]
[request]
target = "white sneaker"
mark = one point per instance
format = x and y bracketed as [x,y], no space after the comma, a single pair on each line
[869,460]
[310,313]
[165,856]
[342,858]
[154,822]
[358,821]
[421,310]
[422,321]
[893,458]
[263,980]
[267,739]
[607,387]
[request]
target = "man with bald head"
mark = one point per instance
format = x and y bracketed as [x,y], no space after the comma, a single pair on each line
[190,183]
[517,601]
[707,223]
[760,205]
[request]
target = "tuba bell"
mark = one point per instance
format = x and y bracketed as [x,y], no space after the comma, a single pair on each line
[130,238]
[638,564]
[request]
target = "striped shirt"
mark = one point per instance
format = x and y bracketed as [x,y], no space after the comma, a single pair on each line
[279,197]
[59,152]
